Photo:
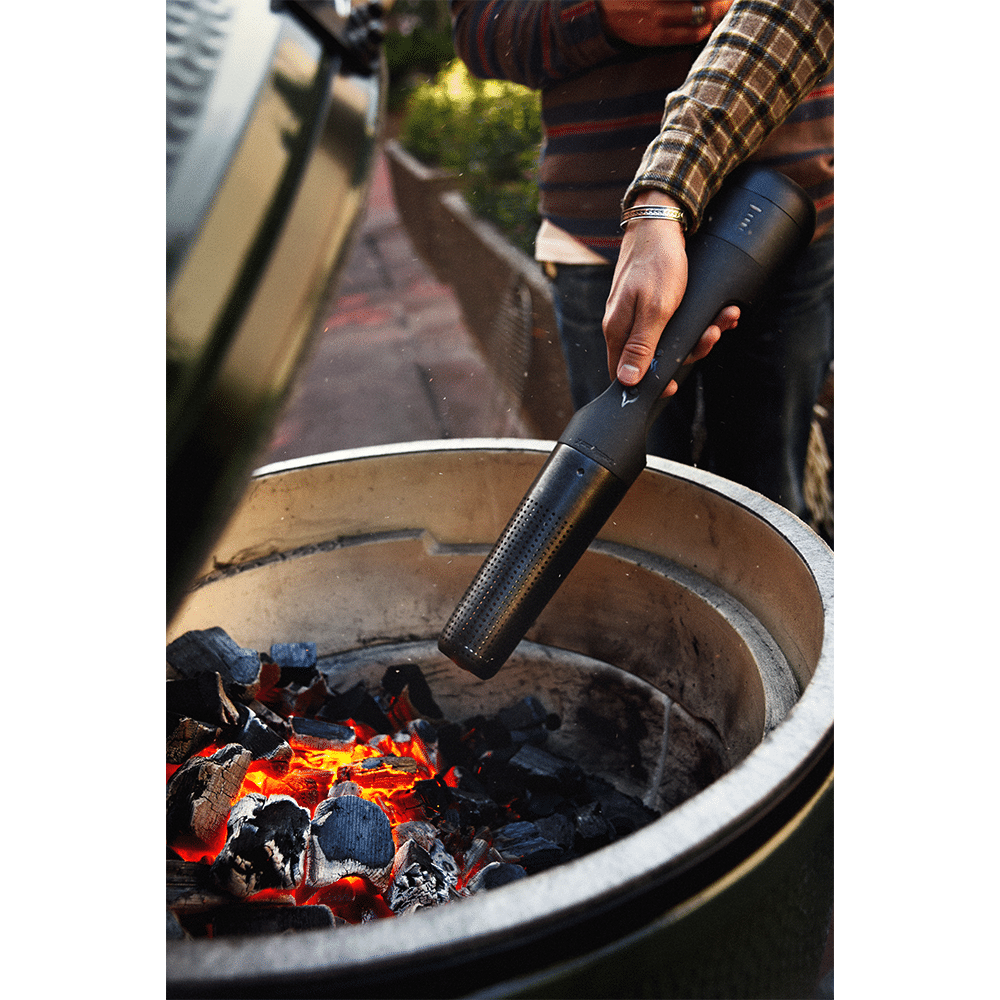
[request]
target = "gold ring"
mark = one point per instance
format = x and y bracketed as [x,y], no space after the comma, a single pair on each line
[697,14]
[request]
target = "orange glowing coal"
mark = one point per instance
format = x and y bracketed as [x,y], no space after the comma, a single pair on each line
[385,770]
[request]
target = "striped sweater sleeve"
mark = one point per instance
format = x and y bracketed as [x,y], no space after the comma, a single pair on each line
[534,44]
[762,59]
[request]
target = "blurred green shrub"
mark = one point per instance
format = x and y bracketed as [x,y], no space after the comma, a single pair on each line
[417,44]
[487,131]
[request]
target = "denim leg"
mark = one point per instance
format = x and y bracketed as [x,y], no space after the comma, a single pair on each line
[580,292]
[762,380]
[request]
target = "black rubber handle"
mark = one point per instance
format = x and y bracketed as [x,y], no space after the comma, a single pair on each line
[756,222]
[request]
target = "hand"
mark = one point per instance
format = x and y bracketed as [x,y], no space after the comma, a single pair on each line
[658,23]
[647,288]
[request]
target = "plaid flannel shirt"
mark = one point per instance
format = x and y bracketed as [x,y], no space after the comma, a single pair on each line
[762,59]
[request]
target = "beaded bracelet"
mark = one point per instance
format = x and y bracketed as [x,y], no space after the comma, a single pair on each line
[653,212]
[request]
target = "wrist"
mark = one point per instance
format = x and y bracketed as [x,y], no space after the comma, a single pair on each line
[656,205]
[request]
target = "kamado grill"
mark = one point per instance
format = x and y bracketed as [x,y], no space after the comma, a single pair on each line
[689,658]
[682,671]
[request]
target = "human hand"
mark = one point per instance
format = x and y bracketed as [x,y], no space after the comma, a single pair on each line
[647,288]
[657,23]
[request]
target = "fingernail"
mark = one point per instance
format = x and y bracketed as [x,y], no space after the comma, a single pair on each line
[627,374]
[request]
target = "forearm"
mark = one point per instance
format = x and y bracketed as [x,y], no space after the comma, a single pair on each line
[533,44]
[763,58]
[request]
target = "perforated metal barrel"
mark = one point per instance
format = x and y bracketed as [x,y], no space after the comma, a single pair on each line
[506,596]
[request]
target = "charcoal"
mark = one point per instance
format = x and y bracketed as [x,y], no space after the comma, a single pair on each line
[212,650]
[467,805]
[435,794]
[473,858]
[265,847]
[355,703]
[454,747]
[537,805]
[425,736]
[408,679]
[202,790]
[299,699]
[203,698]
[425,835]
[495,874]
[592,829]
[296,663]
[417,882]
[350,836]
[558,828]
[269,919]
[294,655]
[262,741]
[501,781]
[625,813]
[522,843]
[174,930]
[528,721]
[271,719]
[191,888]
[386,771]
[186,737]
[486,734]
[344,788]
[321,735]
[418,830]
[542,771]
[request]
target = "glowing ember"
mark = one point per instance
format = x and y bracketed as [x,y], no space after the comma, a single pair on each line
[385,774]
[305,803]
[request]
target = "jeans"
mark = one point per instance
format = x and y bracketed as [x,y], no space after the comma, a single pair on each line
[745,411]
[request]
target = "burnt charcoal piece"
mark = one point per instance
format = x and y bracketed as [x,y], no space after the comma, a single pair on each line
[191,888]
[202,698]
[356,703]
[535,805]
[350,836]
[261,740]
[625,813]
[523,844]
[435,795]
[453,747]
[558,828]
[202,790]
[174,930]
[592,829]
[495,874]
[296,663]
[528,721]
[486,734]
[267,919]
[542,771]
[186,737]
[339,788]
[265,847]
[212,650]
[418,830]
[294,655]
[417,882]
[271,719]
[321,735]
[409,677]
[425,737]
[425,835]
[299,699]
